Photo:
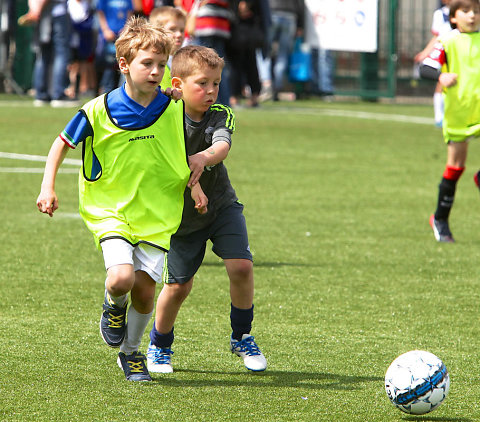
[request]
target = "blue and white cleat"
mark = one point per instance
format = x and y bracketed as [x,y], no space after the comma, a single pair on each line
[159,360]
[248,350]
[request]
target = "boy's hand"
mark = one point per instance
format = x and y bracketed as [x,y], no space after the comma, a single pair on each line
[173,93]
[47,202]
[201,200]
[196,162]
[448,79]
[28,19]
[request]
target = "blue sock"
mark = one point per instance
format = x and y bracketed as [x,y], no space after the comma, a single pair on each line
[163,341]
[241,321]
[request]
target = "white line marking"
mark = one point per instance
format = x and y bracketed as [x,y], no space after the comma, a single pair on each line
[356,114]
[34,170]
[40,158]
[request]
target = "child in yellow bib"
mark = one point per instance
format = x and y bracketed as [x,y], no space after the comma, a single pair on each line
[131,184]
[454,62]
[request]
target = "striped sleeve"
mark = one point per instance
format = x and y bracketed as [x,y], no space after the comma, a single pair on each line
[222,116]
[76,131]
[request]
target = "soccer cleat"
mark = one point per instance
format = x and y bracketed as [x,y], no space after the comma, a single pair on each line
[248,350]
[159,360]
[112,323]
[441,230]
[134,366]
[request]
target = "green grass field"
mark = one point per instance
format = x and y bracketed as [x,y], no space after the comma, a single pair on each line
[348,276]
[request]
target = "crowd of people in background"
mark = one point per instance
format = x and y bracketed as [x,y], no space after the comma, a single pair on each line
[74,45]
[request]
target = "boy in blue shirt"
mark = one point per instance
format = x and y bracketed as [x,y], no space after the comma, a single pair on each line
[131,185]
[196,72]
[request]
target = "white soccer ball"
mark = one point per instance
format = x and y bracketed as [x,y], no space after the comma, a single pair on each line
[417,382]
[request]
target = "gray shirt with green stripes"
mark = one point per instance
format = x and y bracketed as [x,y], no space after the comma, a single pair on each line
[217,125]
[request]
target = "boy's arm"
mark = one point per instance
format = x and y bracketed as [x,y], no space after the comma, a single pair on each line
[214,154]
[420,57]
[108,34]
[200,199]
[47,201]
[431,67]
[35,8]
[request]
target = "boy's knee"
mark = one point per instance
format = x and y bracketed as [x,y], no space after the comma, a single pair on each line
[241,270]
[179,292]
[120,279]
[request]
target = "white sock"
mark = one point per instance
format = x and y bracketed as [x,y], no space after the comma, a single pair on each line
[136,325]
[438,106]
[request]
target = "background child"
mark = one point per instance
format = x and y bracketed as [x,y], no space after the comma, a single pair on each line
[131,212]
[172,20]
[458,53]
[112,15]
[196,72]
[440,26]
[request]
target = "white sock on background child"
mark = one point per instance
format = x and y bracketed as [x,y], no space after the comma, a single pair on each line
[438,107]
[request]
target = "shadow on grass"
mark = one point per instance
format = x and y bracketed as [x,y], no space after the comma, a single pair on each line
[435,419]
[264,264]
[278,379]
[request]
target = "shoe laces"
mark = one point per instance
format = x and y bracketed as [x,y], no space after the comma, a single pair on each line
[161,356]
[248,346]
[116,321]
[136,363]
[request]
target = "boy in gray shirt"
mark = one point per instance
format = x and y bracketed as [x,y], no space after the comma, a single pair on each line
[196,72]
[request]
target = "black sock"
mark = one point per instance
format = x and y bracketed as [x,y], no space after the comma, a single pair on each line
[446,195]
[241,321]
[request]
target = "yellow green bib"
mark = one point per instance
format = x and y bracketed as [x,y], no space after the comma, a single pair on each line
[167,79]
[462,101]
[132,181]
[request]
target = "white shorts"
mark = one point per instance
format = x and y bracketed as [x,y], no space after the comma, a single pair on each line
[143,257]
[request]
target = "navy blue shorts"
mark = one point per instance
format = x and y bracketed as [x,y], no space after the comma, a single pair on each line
[228,234]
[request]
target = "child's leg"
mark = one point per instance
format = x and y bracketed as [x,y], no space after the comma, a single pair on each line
[169,302]
[240,273]
[438,105]
[117,255]
[120,280]
[140,311]
[456,158]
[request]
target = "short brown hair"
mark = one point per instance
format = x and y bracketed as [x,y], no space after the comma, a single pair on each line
[191,58]
[161,15]
[139,34]
[460,4]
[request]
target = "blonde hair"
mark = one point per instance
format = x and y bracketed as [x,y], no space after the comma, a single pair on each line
[164,14]
[139,34]
[192,58]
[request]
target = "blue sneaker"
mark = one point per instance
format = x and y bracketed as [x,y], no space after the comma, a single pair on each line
[248,350]
[112,323]
[159,360]
[134,366]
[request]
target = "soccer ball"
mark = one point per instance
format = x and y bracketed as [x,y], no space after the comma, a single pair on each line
[417,382]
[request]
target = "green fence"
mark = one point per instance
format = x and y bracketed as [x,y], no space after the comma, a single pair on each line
[372,75]
[403,31]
